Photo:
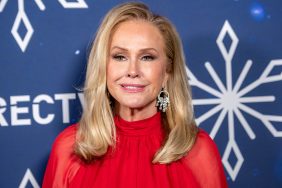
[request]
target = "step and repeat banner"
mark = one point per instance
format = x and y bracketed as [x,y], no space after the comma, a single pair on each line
[234,62]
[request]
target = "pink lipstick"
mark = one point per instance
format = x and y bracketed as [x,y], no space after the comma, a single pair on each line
[133,88]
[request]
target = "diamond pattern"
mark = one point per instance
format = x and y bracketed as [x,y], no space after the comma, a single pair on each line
[233,171]
[22,41]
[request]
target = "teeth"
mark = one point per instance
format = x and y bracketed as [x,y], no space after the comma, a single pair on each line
[131,87]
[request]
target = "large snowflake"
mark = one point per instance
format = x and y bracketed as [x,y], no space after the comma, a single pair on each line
[231,100]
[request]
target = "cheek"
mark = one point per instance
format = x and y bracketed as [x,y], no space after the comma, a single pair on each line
[110,76]
[112,72]
[157,75]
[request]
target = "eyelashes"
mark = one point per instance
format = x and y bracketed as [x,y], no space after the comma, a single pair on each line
[148,58]
[120,57]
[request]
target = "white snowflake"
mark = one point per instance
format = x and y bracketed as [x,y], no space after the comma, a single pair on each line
[230,99]
[22,18]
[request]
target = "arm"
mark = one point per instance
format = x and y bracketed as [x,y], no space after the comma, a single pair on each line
[62,164]
[205,162]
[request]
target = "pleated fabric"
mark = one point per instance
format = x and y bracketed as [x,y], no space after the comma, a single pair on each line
[129,164]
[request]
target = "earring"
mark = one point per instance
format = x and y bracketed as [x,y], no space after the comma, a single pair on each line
[163,100]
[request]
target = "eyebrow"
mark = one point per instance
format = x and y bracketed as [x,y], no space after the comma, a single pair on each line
[142,50]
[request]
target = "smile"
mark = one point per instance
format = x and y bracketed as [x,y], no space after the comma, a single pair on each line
[133,88]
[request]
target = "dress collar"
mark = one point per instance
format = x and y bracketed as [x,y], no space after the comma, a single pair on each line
[148,126]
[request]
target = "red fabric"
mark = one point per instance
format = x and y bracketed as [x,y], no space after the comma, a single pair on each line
[130,166]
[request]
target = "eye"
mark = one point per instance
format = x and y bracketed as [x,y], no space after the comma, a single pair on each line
[119,57]
[147,58]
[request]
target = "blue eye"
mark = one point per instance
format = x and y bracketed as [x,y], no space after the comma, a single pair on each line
[148,58]
[119,57]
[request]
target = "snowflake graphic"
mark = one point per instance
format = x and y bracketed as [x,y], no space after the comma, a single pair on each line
[230,100]
[22,18]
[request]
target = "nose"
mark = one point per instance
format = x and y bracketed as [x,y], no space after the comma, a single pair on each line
[133,69]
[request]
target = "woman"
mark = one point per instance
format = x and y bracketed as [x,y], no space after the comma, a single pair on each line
[137,128]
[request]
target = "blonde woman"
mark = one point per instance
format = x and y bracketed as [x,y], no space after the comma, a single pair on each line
[137,128]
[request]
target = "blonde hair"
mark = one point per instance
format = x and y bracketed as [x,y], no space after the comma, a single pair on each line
[96,130]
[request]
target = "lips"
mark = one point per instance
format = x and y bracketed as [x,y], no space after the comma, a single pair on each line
[133,88]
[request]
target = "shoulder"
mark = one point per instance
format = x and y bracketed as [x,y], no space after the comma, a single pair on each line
[65,140]
[67,135]
[203,144]
[204,150]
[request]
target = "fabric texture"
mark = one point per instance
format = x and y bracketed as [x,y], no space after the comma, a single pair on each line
[130,165]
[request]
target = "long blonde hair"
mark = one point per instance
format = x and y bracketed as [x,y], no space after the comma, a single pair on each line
[96,130]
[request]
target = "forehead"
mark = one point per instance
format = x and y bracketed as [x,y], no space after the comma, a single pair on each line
[140,32]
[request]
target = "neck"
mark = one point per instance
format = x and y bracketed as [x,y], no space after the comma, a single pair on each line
[135,114]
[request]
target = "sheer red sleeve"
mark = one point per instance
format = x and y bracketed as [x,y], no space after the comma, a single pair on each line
[205,162]
[62,164]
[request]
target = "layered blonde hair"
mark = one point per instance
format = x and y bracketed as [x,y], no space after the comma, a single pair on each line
[96,130]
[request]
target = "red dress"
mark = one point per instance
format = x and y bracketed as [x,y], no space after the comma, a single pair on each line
[130,166]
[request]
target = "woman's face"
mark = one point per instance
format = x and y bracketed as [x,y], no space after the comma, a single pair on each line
[136,67]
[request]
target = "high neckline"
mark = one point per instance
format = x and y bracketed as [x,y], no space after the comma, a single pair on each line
[148,126]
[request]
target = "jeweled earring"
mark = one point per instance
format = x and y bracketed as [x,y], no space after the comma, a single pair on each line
[163,100]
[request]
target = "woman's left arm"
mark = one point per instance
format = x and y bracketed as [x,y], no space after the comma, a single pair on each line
[205,162]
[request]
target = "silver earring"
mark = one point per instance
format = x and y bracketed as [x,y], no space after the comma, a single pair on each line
[163,100]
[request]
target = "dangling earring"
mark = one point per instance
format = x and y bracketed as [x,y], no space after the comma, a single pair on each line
[163,100]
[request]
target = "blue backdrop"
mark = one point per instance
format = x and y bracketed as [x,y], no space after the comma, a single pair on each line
[233,52]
